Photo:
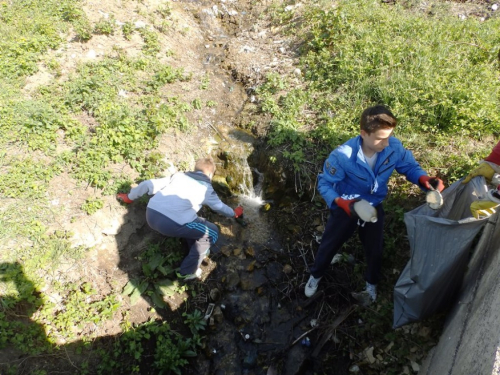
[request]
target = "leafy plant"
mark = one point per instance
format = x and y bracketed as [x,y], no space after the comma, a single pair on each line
[127,30]
[92,205]
[151,43]
[205,82]
[195,321]
[105,26]
[127,353]
[157,266]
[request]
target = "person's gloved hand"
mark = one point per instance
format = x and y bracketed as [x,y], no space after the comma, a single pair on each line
[347,205]
[431,183]
[484,169]
[122,197]
[238,212]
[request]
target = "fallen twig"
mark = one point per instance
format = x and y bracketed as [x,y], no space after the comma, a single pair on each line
[330,331]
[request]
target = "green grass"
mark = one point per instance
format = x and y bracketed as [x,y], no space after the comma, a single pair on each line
[125,106]
[437,74]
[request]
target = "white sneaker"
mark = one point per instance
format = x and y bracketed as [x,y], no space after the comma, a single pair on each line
[371,289]
[192,276]
[367,296]
[312,286]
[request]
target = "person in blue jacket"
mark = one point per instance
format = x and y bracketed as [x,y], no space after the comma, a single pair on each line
[359,170]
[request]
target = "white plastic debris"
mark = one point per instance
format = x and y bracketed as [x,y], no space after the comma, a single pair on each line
[354,368]
[337,258]
[365,211]
[415,366]
[91,54]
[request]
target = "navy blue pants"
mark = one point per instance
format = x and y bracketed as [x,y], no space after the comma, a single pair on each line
[339,228]
[199,234]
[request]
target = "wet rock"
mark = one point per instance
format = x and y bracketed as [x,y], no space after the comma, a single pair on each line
[246,307]
[238,252]
[274,271]
[250,359]
[217,315]
[250,251]
[221,186]
[214,294]
[252,281]
[227,365]
[226,251]
[251,266]
[202,366]
[232,280]
[295,360]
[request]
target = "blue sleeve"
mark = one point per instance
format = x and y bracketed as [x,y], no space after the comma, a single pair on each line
[333,172]
[408,166]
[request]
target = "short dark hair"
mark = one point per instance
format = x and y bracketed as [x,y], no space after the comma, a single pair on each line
[377,117]
[205,165]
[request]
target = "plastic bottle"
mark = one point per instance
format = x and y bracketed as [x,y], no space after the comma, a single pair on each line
[365,211]
[495,180]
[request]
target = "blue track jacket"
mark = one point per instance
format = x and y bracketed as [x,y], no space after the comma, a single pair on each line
[347,175]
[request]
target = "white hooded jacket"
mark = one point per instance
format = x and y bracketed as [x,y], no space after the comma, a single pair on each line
[181,196]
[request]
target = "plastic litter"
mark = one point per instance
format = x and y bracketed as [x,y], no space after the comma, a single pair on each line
[495,180]
[306,342]
[434,199]
[210,310]
[365,211]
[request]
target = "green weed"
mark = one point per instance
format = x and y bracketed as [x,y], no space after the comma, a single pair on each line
[26,178]
[92,205]
[127,30]
[132,349]
[151,42]
[80,307]
[105,26]
[438,77]
[159,264]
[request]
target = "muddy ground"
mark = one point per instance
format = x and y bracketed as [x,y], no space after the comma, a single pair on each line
[256,275]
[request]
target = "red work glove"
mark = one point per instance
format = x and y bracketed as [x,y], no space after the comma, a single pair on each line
[238,212]
[347,205]
[122,197]
[431,183]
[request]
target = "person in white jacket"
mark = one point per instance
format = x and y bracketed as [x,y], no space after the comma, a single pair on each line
[173,211]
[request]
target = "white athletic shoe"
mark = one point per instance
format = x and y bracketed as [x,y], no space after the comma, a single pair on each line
[367,296]
[192,276]
[371,289]
[312,286]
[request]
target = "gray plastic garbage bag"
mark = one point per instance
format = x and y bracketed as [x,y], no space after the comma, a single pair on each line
[440,241]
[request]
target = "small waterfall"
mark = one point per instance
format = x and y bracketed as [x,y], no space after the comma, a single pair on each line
[250,186]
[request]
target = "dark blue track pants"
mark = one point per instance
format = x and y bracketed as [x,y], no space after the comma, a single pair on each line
[199,234]
[339,228]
